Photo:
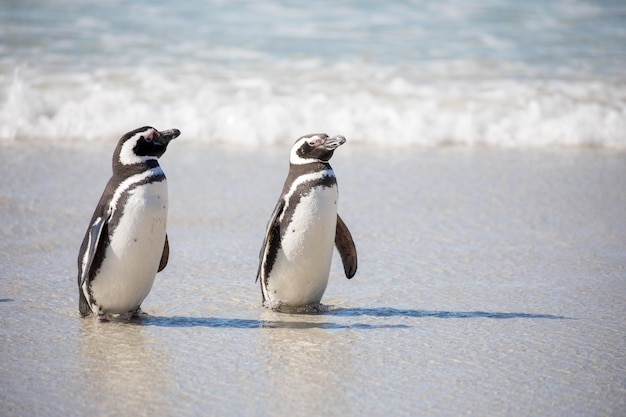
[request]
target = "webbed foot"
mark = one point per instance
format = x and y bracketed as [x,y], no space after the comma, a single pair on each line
[136,313]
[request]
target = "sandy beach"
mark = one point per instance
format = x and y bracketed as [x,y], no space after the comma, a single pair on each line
[491,282]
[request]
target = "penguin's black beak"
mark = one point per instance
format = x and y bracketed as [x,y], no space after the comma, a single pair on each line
[333,143]
[165,136]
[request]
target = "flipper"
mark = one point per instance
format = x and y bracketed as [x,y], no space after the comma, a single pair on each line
[346,248]
[92,240]
[165,256]
[272,239]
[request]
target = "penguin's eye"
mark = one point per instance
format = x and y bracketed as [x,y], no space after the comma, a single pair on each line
[151,134]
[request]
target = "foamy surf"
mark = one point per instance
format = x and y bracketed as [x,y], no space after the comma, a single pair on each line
[371,105]
[246,74]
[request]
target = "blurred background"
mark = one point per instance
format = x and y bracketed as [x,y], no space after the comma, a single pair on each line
[395,73]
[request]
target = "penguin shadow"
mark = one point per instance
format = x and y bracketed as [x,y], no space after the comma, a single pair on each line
[395,312]
[299,321]
[184,321]
[217,322]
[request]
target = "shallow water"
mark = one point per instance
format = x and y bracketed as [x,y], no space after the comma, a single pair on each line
[490,282]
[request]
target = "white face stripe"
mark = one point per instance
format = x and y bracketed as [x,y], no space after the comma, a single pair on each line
[129,182]
[301,180]
[128,156]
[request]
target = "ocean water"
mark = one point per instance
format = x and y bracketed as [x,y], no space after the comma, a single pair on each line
[244,73]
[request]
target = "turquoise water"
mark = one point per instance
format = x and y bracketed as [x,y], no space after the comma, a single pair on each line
[544,38]
[427,73]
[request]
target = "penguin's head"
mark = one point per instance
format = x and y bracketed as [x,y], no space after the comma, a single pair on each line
[317,147]
[143,144]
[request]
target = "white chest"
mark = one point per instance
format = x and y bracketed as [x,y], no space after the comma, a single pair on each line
[143,220]
[300,273]
[312,226]
[136,245]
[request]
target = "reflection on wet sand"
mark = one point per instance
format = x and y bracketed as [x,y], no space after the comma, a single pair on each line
[124,371]
[304,366]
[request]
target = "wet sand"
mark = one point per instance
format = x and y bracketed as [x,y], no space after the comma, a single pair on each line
[490,282]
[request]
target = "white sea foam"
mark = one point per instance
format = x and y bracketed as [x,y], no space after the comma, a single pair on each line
[394,73]
[366,103]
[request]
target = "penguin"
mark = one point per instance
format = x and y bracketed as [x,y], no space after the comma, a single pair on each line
[295,259]
[126,242]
